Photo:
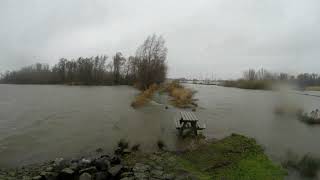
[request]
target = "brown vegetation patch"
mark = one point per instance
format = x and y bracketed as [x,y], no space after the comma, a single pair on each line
[181,97]
[145,96]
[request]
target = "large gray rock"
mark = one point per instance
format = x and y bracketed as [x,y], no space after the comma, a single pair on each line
[126,174]
[127,178]
[49,169]
[74,166]
[101,176]
[141,176]
[90,170]
[138,167]
[158,168]
[67,171]
[37,178]
[126,151]
[85,176]
[49,175]
[57,161]
[60,163]
[66,174]
[115,170]
[156,173]
[102,164]
[115,160]
[186,176]
[168,177]
[23,178]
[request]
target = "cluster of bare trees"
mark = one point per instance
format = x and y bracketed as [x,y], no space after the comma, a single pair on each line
[34,74]
[83,70]
[307,79]
[147,67]
[302,80]
[263,74]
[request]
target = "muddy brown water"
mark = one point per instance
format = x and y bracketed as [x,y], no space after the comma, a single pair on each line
[42,122]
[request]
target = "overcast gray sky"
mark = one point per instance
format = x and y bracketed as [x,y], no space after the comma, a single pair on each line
[204,37]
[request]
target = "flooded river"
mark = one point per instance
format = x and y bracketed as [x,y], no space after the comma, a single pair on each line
[40,122]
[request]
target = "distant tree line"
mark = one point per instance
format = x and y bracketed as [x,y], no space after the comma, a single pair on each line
[302,80]
[146,67]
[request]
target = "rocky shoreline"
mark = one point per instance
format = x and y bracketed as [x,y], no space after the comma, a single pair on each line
[233,157]
[103,167]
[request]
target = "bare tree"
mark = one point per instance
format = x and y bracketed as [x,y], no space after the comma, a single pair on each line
[250,75]
[118,62]
[151,61]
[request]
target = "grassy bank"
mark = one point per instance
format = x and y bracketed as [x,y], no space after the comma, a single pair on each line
[312,88]
[234,157]
[249,84]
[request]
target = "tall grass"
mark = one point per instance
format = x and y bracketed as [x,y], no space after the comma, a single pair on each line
[144,97]
[181,97]
[307,166]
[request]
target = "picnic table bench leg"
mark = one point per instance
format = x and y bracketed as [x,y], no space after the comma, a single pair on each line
[194,128]
[182,128]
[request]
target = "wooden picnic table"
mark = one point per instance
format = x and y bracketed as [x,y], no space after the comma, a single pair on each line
[188,120]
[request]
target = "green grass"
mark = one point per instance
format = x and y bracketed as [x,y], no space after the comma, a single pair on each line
[234,157]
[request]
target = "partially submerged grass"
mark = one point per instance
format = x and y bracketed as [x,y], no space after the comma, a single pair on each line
[182,97]
[307,166]
[235,157]
[288,110]
[144,97]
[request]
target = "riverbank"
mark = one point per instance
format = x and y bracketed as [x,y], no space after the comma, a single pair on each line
[249,84]
[312,88]
[234,157]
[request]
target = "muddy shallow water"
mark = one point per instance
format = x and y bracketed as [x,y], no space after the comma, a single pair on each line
[44,122]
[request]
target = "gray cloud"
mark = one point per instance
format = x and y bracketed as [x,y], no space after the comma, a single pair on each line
[204,38]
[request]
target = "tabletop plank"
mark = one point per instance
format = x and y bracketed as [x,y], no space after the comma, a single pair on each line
[188,116]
